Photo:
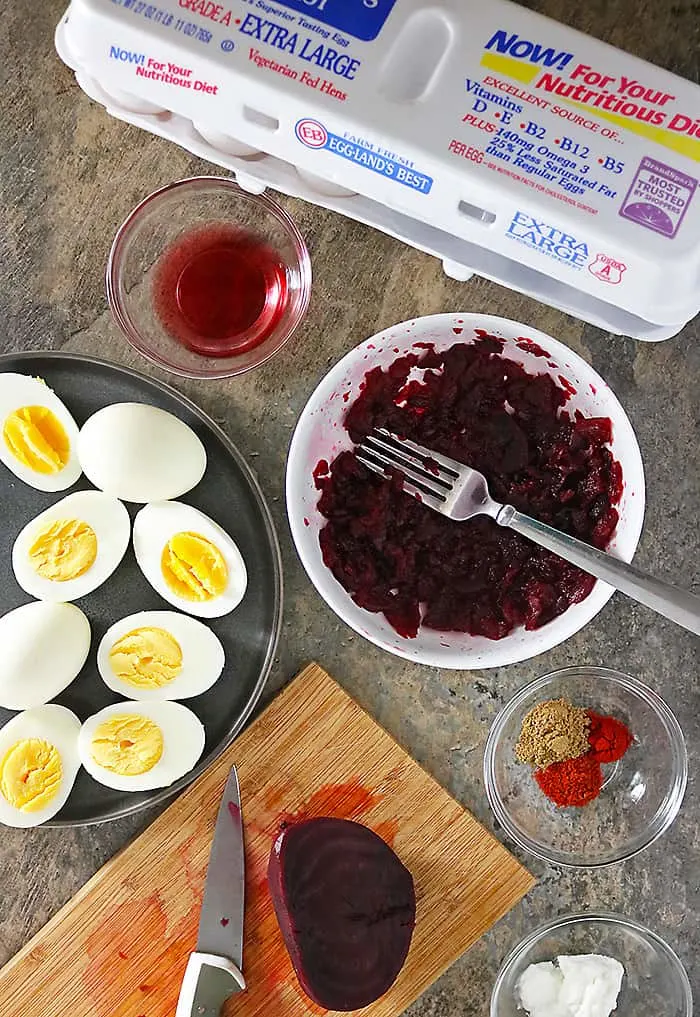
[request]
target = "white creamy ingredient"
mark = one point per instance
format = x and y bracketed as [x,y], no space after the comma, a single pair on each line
[582,985]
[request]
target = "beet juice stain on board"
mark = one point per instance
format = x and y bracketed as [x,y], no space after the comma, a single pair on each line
[220,290]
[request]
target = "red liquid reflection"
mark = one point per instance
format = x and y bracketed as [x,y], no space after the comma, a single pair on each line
[220,290]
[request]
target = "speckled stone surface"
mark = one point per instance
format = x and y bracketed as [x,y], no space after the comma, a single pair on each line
[68,176]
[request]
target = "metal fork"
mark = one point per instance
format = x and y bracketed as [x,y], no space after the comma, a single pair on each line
[460,492]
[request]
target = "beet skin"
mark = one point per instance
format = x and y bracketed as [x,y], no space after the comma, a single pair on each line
[346,907]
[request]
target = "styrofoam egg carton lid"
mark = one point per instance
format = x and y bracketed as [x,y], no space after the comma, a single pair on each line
[498,140]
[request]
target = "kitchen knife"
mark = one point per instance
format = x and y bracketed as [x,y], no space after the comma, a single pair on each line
[213,971]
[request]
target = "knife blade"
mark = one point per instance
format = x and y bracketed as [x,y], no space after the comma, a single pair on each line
[213,971]
[221,921]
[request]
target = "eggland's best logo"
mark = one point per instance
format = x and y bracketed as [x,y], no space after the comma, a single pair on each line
[311,133]
[607,269]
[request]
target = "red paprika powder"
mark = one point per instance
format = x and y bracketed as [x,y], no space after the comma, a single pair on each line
[608,737]
[571,782]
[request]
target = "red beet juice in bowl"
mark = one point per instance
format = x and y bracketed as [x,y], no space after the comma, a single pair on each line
[535,418]
[208,280]
[219,290]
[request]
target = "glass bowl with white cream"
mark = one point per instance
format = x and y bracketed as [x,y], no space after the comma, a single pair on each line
[592,965]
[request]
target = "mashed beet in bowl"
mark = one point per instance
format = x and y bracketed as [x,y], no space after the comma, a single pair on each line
[399,558]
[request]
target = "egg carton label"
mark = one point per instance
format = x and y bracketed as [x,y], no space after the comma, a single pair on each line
[564,248]
[549,240]
[500,127]
[313,134]
[658,197]
[363,19]
[554,77]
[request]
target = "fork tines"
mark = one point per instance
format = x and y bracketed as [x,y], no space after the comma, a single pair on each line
[428,476]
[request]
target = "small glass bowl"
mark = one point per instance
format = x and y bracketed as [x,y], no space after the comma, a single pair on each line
[655,981]
[642,792]
[155,224]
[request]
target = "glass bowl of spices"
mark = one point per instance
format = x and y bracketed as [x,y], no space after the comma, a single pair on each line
[208,280]
[593,964]
[585,767]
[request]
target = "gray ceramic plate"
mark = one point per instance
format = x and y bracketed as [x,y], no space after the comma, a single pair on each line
[229,494]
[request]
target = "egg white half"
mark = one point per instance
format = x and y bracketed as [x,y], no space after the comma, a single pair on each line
[105,515]
[183,744]
[202,656]
[57,726]
[155,524]
[18,391]
[44,647]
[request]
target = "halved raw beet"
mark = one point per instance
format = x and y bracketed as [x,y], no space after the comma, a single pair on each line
[346,907]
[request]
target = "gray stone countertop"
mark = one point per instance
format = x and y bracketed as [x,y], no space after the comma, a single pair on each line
[68,176]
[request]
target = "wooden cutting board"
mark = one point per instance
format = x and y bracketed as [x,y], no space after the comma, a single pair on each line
[119,947]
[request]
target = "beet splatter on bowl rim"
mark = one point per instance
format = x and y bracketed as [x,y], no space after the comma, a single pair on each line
[320,435]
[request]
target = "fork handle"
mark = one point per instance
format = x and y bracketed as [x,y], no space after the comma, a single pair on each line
[681,607]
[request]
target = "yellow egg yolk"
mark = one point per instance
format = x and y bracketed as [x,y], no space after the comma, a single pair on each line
[193,567]
[147,658]
[37,438]
[127,744]
[64,549]
[30,774]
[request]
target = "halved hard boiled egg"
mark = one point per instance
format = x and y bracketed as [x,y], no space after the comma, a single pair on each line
[69,550]
[44,647]
[140,453]
[159,655]
[140,746]
[38,435]
[39,762]
[188,559]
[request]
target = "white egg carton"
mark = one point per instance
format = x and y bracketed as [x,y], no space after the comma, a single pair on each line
[499,141]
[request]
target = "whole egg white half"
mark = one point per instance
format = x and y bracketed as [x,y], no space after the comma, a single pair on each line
[17,393]
[43,648]
[140,453]
[156,524]
[202,656]
[56,726]
[183,744]
[108,519]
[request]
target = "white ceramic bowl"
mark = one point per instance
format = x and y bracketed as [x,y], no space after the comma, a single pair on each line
[320,435]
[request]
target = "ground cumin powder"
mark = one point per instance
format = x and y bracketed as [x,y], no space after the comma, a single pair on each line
[552,732]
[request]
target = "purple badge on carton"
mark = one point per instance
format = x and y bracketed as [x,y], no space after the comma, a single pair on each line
[658,197]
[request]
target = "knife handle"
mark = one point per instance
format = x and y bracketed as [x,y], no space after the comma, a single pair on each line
[209,981]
